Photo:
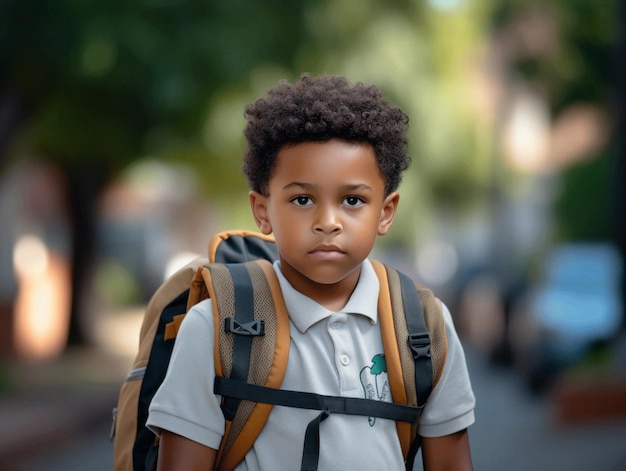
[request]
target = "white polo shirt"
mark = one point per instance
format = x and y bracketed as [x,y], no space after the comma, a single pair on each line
[331,353]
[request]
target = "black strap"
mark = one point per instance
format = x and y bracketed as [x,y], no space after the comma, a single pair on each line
[415,446]
[230,387]
[419,339]
[241,390]
[244,314]
[311,451]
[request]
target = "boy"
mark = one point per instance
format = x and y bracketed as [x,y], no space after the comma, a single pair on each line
[324,160]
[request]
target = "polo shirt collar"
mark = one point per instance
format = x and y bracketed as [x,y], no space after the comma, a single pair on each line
[304,312]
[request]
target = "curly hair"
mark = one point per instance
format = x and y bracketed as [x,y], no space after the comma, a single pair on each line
[319,109]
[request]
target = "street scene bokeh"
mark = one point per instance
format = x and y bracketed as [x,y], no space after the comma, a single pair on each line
[120,155]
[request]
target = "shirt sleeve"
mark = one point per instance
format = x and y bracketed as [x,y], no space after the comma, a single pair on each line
[185,403]
[450,407]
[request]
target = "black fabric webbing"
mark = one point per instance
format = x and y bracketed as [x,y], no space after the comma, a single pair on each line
[419,339]
[419,342]
[304,400]
[311,451]
[244,312]
[415,446]
[232,388]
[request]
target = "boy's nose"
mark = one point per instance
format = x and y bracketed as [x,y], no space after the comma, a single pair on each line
[327,221]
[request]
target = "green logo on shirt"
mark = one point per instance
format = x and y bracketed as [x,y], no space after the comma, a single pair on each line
[374,381]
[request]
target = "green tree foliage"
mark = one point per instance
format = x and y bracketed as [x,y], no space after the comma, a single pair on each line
[98,77]
[580,68]
[584,208]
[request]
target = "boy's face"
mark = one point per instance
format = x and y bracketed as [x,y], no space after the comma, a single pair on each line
[325,205]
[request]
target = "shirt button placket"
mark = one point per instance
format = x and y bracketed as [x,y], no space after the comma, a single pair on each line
[336,327]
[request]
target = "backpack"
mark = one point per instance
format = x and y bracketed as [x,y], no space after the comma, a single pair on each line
[252,322]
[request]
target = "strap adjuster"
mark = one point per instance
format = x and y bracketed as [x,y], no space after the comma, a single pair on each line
[420,345]
[252,328]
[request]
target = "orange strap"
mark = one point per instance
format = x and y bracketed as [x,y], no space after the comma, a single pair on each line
[392,354]
[172,328]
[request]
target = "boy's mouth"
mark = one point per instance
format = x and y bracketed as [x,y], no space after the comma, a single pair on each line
[327,252]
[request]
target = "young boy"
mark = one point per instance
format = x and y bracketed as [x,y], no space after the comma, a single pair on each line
[324,160]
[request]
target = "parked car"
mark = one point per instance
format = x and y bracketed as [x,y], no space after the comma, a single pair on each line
[575,305]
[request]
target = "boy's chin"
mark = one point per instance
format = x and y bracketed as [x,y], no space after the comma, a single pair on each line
[327,275]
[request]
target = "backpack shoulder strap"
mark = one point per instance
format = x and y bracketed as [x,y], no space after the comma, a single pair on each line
[251,321]
[414,341]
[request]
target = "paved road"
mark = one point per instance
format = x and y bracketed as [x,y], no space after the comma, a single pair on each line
[514,431]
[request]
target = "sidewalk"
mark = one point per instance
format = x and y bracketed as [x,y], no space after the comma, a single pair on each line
[49,403]
[519,431]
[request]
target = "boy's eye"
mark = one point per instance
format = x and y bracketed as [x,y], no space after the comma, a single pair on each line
[302,200]
[353,201]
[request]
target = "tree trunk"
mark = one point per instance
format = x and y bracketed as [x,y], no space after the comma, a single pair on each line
[12,114]
[85,184]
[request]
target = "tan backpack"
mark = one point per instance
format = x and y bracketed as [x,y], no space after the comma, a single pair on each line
[251,322]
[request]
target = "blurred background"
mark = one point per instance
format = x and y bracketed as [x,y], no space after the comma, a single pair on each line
[120,154]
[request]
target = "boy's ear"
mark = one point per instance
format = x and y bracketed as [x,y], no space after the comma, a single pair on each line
[388,213]
[258,204]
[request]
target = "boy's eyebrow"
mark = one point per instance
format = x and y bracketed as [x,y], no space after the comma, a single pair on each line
[312,186]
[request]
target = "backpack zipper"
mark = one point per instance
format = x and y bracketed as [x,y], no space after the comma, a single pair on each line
[136,374]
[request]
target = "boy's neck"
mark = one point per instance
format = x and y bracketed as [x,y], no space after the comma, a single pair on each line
[332,296]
